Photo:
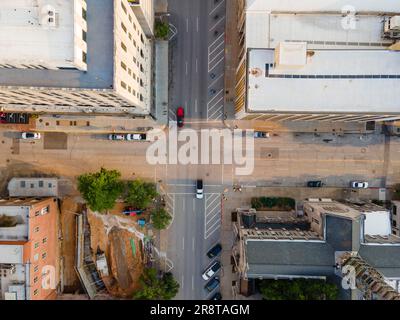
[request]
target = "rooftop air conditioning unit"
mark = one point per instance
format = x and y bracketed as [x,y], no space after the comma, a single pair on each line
[391,28]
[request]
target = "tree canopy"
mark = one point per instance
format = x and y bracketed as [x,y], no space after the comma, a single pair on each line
[101,189]
[140,194]
[298,289]
[157,288]
[160,218]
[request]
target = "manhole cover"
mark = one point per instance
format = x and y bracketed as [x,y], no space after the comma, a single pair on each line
[363,150]
[269,153]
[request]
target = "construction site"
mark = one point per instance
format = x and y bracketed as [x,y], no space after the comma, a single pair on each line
[104,254]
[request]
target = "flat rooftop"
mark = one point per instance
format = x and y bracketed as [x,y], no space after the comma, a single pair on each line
[28,36]
[334,81]
[100,48]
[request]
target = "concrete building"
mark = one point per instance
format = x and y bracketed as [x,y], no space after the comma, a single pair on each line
[33,187]
[28,249]
[318,60]
[144,11]
[74,56]
[313,244]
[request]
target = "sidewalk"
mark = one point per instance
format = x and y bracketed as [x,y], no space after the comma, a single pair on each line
[94,124]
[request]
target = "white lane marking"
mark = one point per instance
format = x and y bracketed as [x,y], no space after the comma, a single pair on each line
[218,62]
[193,244]
[217,23]
[197,24]
[213,10]
[192,282]
[221,52]
[184,205]
[183,243]
[218,115]
[216,95]
[215,49]
[187,24]
[195,105]
[222,34]
[186,67]
[215,81]
[183,283]
[196,64]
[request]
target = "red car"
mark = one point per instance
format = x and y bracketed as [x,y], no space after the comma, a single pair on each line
[180,115]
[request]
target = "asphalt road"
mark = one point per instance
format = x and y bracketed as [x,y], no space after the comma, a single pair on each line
[197,86]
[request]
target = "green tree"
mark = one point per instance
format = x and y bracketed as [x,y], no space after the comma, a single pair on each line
[157,288]
[140,194]
[298,289]
[160,218]
[101,189]
[161,30]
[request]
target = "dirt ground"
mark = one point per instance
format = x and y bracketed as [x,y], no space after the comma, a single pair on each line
[68,245]
[112,234]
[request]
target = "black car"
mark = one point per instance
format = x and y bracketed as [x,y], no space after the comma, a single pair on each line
[216,296]
[214,251]
[212,284]
[315,184]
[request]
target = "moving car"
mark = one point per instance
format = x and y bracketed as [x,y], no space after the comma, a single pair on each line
[315,184]
[211,271]
[199,189]
[216,296]
[136,136]
[212,284]
[261,134]
[30,135]
[116,137]
[359,185]
[214,251]
[180,115]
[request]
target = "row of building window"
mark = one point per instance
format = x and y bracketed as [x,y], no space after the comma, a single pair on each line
[131,21]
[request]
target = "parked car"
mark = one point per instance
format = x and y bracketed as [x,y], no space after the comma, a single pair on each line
[216,296]
[315,184]
[261,134]
[180,116]
[30,135]
[214,251]
[359,185]
[212,284]
[136,136]
[116,137]
[199,189]
[212,270]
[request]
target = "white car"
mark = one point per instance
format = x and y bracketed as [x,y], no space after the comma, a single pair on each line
[136,136]
[211,271]
[359,185]
[116,136]
[30,135]
[199,189]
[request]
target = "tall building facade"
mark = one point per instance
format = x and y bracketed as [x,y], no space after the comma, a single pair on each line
[74,56]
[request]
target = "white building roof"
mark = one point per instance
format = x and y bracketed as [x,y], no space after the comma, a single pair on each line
[21,230]
[10,254]
[30,38]
[331,81]
[325,5]
[377,223]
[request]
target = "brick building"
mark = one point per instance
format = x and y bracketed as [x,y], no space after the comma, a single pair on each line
[28,248]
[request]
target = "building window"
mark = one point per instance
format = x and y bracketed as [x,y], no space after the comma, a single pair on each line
[44,255]
[35,279]
[22,184]
[36,257]
[36,268]
[45,210]
[84,57]
[123,84]
[37,213]
[123,7]
[394,223]
[41,183]
[123,65]
[37,229]
[123,46]
[83,14]
[36,245]
[84,35]
[315,220]
[123,27]
[44,240]
[35,293]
